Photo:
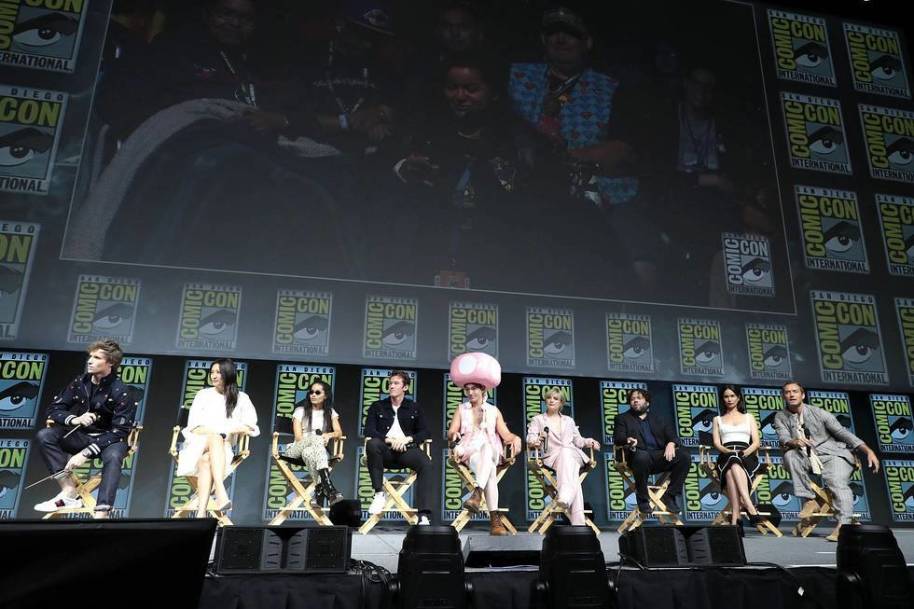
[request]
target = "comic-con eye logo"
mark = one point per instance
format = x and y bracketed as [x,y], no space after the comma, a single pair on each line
[896,217]
[763,403]
[390,327]
[695,407]
[41,34]
[375,385]
[302,323]
[21,381]
[14,454]
[747,264]
[700,349]
[769,351]
[136,373]
[550,337]
[703,495]
[899,478]
[629,343]
[620,498]
[889,135]
[472,327]
[18,242]
[894,422]
[832,234]
[209,317]
[30,125]
[104,307]
[904,310]
[849,339]
[837,403]
[801,48]
[815,133]
[877,63]
[614,401]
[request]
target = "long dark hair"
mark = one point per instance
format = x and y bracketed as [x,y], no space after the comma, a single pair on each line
[229,383]
[328,407]
[740,406]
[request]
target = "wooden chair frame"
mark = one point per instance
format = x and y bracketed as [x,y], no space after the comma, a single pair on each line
[189,507]
[826,509]
[547,478]
[655,492]
[395,491]
[84,489]
[709,466]
[469,483]
[304,489]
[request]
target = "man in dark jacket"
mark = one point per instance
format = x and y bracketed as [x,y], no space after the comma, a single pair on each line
[653,448]
[93,417]
[395,428]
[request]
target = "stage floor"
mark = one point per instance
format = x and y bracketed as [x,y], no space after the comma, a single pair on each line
[382,546]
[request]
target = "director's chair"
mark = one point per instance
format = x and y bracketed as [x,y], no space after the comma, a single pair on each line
[241,452]
[85,488]
[303,488]
[709,466]
[655,493]
[469,483]
[395,490]
[547,479]
[825,507]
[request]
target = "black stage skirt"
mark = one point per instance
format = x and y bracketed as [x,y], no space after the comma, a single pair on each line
[725,461]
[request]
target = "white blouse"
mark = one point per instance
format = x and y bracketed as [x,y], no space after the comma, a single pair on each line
[741,432]
[208,410]
[317,417]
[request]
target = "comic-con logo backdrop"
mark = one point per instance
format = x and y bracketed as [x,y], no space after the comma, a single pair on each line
[290,392]
[22,377]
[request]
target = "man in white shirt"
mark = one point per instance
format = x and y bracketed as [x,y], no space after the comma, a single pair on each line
[395,428]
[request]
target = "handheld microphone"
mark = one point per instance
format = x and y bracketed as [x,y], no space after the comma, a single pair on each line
[545,439]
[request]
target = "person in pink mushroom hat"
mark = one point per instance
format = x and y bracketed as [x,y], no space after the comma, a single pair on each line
[480,431]
[563,452]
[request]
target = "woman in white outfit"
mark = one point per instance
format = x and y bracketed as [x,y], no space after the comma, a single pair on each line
[218,416]
[736,438]
[314,424]
[563,453]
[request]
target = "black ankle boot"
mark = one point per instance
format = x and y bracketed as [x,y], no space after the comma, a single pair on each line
[327,488]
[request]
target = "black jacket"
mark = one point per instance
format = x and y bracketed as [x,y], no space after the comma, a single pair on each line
[627,425]
[111,402]
[380,419]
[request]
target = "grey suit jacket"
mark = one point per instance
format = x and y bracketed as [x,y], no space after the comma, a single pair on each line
[828,435]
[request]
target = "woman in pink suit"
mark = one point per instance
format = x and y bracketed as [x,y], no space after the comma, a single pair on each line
[563,452]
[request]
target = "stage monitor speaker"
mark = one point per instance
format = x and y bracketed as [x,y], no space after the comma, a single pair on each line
[684,546]
[871,570]
[283,550]
[572,571]
[430,570]
[75,563]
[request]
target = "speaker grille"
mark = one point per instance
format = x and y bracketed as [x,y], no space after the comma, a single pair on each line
[240,549]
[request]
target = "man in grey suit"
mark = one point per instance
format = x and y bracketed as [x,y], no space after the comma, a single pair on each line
[812,439]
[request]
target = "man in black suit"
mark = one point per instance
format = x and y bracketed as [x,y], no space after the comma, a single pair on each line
[395,427]
[653,448]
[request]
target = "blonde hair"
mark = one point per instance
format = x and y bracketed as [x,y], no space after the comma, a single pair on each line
[557,393]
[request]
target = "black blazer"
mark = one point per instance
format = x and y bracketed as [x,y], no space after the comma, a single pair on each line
[627,425]
[380,419]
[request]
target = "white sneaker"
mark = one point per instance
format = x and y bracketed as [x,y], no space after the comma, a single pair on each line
[378,503]
[59,502]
